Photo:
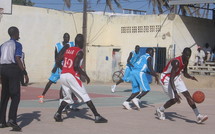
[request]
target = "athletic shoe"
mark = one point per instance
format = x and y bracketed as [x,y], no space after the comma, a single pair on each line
[160,114]
[41,99]
[100,119]
[136,102]
[126,105]
[3,125]
[58,117]
[113,88]
[201,118]
[12,124]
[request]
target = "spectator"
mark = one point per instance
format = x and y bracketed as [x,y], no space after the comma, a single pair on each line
[213,55]
[199,57]
[207,50]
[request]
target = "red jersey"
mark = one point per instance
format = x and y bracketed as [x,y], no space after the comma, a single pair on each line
[167,70]
[68,63]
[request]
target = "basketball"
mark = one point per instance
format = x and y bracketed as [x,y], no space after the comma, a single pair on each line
[198,96]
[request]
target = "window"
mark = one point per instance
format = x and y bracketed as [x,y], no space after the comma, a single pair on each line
[141,29]
[134,29]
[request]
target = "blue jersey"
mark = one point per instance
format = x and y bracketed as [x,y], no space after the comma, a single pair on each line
[139,76]
[141,64]
[56,76]
[59,46]
[134,57]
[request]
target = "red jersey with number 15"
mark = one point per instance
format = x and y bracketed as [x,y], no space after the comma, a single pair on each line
[69,57]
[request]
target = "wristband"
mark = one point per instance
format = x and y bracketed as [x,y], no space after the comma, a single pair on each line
[24,72]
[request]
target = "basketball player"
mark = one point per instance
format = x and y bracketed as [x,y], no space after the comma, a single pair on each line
[173,84]
[70,79]
[141,68]
[132,58]
[55,76]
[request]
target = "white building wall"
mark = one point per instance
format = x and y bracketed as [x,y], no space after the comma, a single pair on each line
[41,29]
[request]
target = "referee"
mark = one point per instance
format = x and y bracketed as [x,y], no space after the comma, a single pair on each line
[11,68]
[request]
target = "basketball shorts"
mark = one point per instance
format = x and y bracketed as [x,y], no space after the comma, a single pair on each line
[55,76]
[126,76]
[72,84]
[139,81]
[179,84]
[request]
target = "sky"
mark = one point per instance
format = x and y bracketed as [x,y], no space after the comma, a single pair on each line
[78,6]
[92,5]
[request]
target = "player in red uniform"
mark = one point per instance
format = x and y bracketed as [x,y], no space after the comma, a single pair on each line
[70,79]
[173,84]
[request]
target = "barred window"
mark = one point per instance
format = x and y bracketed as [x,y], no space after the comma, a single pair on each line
[152,28]
[146,29]
[125,29]
[140,29]
[134,29]
[158,27]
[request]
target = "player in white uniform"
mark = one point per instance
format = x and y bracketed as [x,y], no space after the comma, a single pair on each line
[173,84]
[70,79]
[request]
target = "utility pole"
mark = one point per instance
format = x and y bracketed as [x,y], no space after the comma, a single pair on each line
[85,31]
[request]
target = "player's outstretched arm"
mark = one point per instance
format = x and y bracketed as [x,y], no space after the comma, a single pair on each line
[188,75]
[77,66]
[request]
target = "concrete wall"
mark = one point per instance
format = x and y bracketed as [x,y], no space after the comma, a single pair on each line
[41,29]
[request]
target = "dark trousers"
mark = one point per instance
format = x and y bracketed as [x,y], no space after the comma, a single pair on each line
[10,77]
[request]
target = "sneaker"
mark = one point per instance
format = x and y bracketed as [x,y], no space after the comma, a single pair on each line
[15,127]
[160,114]
[113,88]
[100,119]
[201,118]
[58,117]
[136,102]
[126,105]
[41,99]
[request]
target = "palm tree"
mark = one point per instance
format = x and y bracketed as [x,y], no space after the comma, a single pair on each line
[160,4]
[109,4]
[185,10]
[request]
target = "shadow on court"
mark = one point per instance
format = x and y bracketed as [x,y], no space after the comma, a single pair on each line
[26,118]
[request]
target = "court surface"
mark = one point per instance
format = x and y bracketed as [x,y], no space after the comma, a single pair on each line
[36,118]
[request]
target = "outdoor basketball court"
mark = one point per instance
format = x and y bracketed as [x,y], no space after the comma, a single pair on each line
[36,118]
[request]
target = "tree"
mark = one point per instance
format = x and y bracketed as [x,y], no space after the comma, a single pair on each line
[23,2]
[185,10]
[109,4]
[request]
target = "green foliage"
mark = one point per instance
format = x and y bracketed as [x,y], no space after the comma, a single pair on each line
[23,2]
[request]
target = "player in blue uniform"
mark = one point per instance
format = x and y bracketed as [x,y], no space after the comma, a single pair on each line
[139,78]
[132,58]
[55,76]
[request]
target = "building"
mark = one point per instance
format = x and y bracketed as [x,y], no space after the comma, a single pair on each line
[41,29]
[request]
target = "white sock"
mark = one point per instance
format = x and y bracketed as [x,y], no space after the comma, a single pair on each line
[162,108]
[60,100]
[196,111]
